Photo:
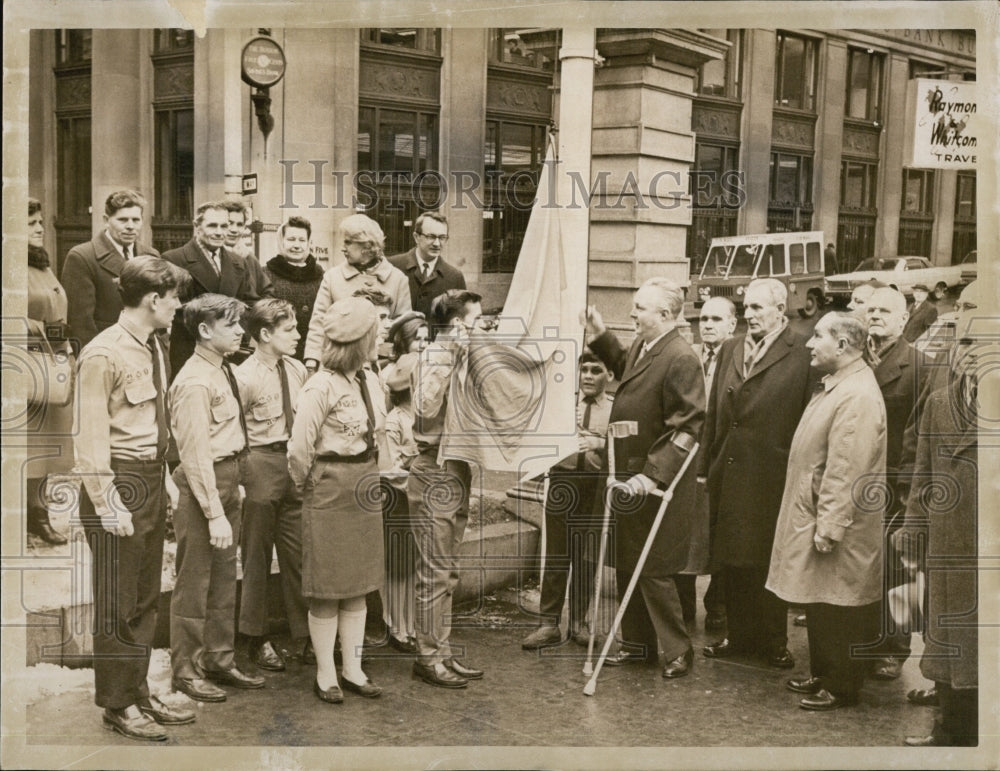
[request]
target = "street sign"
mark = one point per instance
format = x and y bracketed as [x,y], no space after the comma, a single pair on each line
[262,62]
[250,184]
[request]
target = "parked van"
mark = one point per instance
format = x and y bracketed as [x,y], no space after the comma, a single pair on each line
[795,259]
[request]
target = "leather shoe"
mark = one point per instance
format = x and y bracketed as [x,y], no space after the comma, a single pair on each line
[234,677]
[624,657]
[679,666]
[923,697]
[720,650]
[715,621]
[781,658]
[463,670]
[888,668]
[408,645]
[198,689]
[542,637]
[799,620]
[368,689]
[803,684]
[308,653]
[264,656]
[332,695]
[824,701]
[39,525]
[439,675]
[131,722]
[164,714]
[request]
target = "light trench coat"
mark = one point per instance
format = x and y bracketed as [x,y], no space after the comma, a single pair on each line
[834,487]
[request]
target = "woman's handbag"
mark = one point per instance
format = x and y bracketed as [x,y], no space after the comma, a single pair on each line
[43,375]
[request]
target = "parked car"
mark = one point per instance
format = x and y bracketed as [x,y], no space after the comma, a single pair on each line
[970,267]
[898,272]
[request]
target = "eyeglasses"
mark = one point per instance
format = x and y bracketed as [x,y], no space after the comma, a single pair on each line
[429,237]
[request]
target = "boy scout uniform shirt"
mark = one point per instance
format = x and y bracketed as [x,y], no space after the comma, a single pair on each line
[331,417]
[205,420]
[600,411]
[260,392]
[429,384]
[117,415]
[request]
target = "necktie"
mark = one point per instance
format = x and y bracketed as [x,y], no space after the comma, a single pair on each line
[370,428]
[215,263]
[426,270]
[161,406]
[239,405]
[286,397]
[581,457]
[126,253]
[709,355]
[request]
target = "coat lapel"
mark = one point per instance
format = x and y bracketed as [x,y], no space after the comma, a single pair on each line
[107,256]
[890,368]
[197,265]
[779,349]
[638,367]
[231,277]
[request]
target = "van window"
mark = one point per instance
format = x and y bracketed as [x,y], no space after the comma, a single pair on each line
[814,257]
[777,252]
[743,261]
[797,255]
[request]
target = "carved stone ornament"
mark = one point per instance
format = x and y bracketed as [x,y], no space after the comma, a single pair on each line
[381,79]
[174,80]
[792,132]
[716,121]
[73,92]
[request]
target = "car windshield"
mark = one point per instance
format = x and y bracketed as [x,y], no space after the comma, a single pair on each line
[876,263]
[733,261]
[969,258]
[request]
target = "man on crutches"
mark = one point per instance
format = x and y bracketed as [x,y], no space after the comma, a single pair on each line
[662,389]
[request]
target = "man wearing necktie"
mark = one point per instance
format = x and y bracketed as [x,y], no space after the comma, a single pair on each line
[121,443]
[269,382]
[428,272]
[214,269]
[569,505]
[662,388]
[211,432]
[91,268]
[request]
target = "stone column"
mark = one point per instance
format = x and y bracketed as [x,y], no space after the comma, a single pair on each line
[218,114]
[891,192]
[755,147]
[643,148]
[829,140]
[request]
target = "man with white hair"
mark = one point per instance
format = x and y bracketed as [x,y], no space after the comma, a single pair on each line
[762,384]
[365,267]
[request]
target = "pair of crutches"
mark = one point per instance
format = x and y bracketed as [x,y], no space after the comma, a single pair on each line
[617,430]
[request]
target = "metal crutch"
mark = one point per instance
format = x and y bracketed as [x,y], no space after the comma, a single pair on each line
[591,687]
[617,430]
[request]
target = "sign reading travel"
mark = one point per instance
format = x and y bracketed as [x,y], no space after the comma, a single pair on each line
[263,62]
[943,124]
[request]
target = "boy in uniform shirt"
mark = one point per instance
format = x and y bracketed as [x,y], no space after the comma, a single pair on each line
[208,424]
[269,382]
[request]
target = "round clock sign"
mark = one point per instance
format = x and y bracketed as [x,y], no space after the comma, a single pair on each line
[263,62]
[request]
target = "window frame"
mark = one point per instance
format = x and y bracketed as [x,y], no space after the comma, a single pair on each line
[809,74]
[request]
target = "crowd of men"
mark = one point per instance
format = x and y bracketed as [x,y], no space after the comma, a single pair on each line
[807,488]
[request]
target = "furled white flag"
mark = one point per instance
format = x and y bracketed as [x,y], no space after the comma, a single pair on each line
[512,405]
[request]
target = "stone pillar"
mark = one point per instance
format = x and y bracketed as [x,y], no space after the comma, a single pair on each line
[755,147]
[218,114]
[944,217]
[891,193]
[463,132]
[829,140]
[643,148]
[122,155]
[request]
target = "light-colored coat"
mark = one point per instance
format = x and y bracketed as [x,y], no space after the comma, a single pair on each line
[834,487]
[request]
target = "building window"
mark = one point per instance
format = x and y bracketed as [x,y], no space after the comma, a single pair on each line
[166,40]
[795,72]
[73,140]
[174,169]
[506,47]
[857,216]
[512,160]
[723,77]
[864,84]
[916,219]
[73,46]
[964,240]
[715,207]
[414,38]
[790,207]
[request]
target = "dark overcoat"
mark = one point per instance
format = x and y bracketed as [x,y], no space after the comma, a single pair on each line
[920,319]
[748,433]
[88,276]
[664,392]
[423,292]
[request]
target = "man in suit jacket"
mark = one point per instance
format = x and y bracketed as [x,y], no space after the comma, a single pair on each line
[428,273]
[762,384]
[213,269]
[662,387]
[923,313]
[91,268]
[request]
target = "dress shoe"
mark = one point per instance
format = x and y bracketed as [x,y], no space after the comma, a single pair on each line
[264,656]
[583,639]
[39,525]
[463,670]
[923,697]
[369,690]
[331,695]
[439,675]
[781,658]
[308,653]
[799,620]
[542,637]
[824,701]
[679,666]
[131,722]
[409,645]
[715,621]
[888,668]
[720,650]
[803,684]
[234,677]
[198,689]
[164,714]
[624,657]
